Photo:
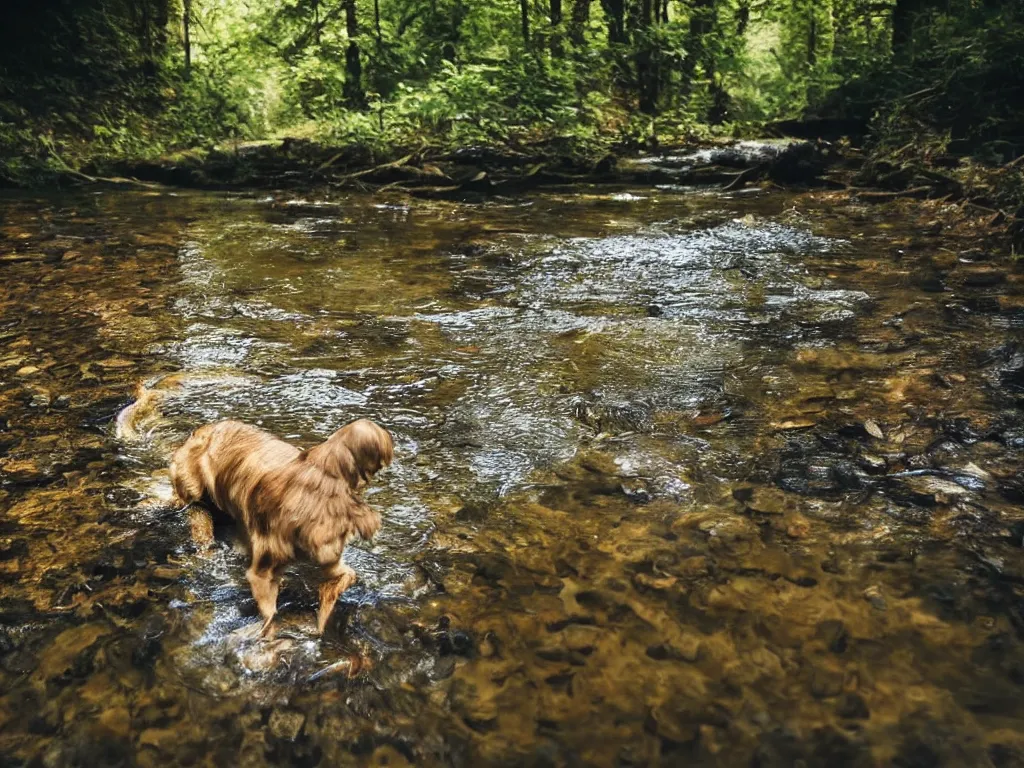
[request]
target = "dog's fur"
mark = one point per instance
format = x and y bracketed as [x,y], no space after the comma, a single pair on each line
[289,503]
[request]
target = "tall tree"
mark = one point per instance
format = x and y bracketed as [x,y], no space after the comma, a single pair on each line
[615,12]
[186,23]
[555,7]
[702,14]
[524,14]
[354,93]
[578,24]
[646,68]
[904,14]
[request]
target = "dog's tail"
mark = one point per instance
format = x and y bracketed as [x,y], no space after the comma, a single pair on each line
[138,419]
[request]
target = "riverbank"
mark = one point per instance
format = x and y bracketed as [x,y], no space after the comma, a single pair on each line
[985,196]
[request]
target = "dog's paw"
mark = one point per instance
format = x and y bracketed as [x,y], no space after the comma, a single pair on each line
[250,633]
[266,656]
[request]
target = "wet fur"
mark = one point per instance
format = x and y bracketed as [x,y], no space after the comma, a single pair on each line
[289,503]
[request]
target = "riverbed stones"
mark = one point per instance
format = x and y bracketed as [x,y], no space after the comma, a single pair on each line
[285,724]
[762,500]
[65,654]
[979,276]
[694,623]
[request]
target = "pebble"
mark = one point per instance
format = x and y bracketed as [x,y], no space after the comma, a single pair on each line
[113,363]
[41,398]
[853,707]
[874,596]
[792,424]
[117,721]
[872,463]
[766,501]
[940,490]
[984,277]
[657,583]
[167,573]
[797,527]
[161,739]
[285,724]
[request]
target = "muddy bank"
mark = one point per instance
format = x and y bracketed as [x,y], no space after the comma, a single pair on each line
[682,477]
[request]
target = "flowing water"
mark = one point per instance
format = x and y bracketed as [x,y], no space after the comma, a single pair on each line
[681,479]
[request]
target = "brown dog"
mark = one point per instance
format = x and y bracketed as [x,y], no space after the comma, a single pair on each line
[289,503]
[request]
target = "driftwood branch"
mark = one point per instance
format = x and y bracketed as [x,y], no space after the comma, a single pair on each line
[113,180]
[359,174]
[744,176]
[878,197]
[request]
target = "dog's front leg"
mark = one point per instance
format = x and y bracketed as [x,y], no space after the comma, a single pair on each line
[264,582]
[200,523]
[337,578]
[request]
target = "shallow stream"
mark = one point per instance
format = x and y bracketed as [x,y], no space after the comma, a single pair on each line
[681,478]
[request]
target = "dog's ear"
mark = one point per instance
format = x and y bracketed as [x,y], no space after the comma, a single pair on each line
[186,478]
[334,459]
[365,520]
[356,452]
[371,446]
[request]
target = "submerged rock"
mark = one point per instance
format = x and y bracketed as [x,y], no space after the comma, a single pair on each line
[285,724]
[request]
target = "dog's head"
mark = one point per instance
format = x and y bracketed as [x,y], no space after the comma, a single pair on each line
[186,476]
[356,452]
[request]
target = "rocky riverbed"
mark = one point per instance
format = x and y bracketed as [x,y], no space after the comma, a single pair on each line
[682,478]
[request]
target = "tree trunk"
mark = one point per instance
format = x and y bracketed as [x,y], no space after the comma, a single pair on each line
[316,21]
[742,19]
[580,17]
[524,12]
[702,14]
[812,41]
[615,11]
[453,35]
[145,38]
[556,28]
[646,70]
[186,23]
[903,15]
[354,94]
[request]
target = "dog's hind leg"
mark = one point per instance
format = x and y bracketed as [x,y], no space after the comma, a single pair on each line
[337,578]
[264,582]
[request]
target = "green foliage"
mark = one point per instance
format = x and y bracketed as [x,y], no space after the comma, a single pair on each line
[475,104]
[107,78]
[964,86]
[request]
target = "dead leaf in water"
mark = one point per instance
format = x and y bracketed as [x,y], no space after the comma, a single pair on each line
[797,527]
[874,430]
[654,582]
[113,363]
[708,419]
[348,667]
[791,424]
